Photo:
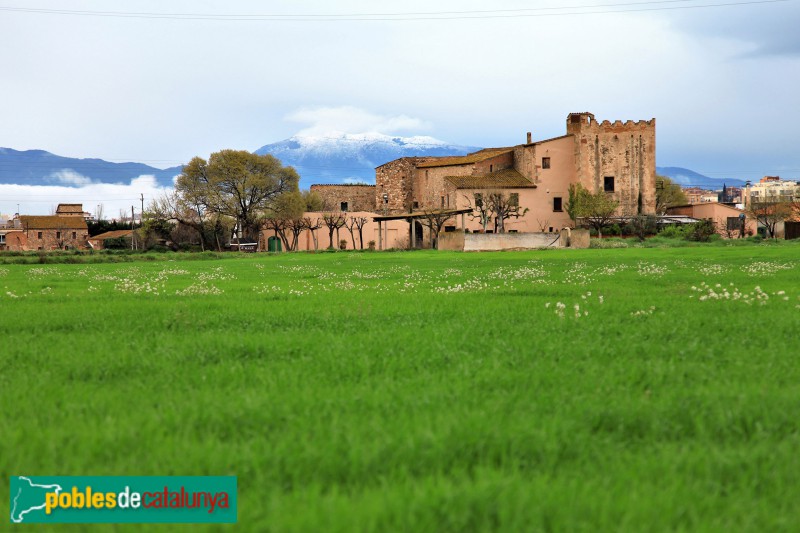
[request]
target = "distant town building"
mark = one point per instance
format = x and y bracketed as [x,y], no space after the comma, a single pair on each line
[66,229]
[773,189]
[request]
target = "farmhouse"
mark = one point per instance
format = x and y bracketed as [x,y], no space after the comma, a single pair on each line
[533,178]
[66,229]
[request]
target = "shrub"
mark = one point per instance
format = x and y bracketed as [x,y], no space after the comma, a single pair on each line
[642,225]
[701,231]
[674,232]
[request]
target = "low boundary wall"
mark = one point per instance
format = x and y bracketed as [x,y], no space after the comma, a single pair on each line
[485,242]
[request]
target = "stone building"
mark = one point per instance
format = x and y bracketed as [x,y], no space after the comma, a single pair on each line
[54,232]
[346,197]
[615,157]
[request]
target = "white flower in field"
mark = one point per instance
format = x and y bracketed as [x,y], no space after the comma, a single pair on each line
[600,298]
[547,305]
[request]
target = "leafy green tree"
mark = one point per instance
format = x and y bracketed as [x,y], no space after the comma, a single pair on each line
[313,201]
[595,210]
[668,194]
[285,218]
[237,184]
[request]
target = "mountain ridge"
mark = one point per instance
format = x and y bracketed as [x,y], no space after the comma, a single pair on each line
[333,158]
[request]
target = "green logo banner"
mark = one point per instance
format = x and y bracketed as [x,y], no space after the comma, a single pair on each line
[123,499]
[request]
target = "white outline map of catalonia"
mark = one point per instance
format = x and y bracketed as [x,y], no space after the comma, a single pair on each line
[17,515]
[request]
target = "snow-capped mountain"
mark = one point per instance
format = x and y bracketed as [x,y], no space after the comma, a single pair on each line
[352,157]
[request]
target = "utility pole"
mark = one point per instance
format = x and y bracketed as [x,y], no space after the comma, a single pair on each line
[142,195]
[133,233]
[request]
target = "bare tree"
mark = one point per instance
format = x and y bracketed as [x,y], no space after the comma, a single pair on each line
[543,224]
[434,220]
[313,226]
[769,213]
[480,211]
[360,222]
[356,223]
[496,204]
[278,225]
[334,221]
[730,228]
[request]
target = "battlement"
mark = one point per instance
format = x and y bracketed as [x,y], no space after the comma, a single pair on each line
[585,122]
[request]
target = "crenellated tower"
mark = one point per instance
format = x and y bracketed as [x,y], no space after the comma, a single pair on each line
[617,157]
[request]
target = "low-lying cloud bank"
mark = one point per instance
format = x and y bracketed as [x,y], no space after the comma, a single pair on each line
[114,198]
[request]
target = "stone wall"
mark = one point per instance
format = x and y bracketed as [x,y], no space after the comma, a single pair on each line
[357,197]
[485,242]
[394,179]
[56,239]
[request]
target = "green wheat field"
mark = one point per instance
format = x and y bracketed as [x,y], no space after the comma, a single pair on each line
[593,390]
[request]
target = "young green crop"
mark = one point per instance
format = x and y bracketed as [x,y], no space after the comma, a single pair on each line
[633,389]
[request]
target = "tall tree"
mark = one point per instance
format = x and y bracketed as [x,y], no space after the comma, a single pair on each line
[668,194]
[236,183]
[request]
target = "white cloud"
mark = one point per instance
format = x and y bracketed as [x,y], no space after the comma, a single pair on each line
[69,177]
[115,197]
[349,119]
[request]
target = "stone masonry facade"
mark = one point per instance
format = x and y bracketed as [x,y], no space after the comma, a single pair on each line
[346,197]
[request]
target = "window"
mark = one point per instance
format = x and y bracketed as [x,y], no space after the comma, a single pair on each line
[557,204]
[415,205]
[513,199]
[478,200]
[442,201]
[39,235]
[734,223]
[608,184]
[74,234]
[58,235]
[343,206]
[2,238]
[491,168]
[545,162]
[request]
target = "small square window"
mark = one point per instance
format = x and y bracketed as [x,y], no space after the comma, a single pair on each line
[513,199]
[343,206]
[415,205]
[557,204]
[545,162]
[74,234]
[608,184]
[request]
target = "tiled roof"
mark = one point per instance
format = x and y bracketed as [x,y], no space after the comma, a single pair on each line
[465,159]
[70,208]
[550,139]
[111,235]
[506,178]
[53,222]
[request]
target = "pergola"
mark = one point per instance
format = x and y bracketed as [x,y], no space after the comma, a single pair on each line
[412,217]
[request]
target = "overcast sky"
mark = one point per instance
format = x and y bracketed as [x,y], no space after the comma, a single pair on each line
[721,81]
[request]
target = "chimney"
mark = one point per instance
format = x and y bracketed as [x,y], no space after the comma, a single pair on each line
[529,137]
